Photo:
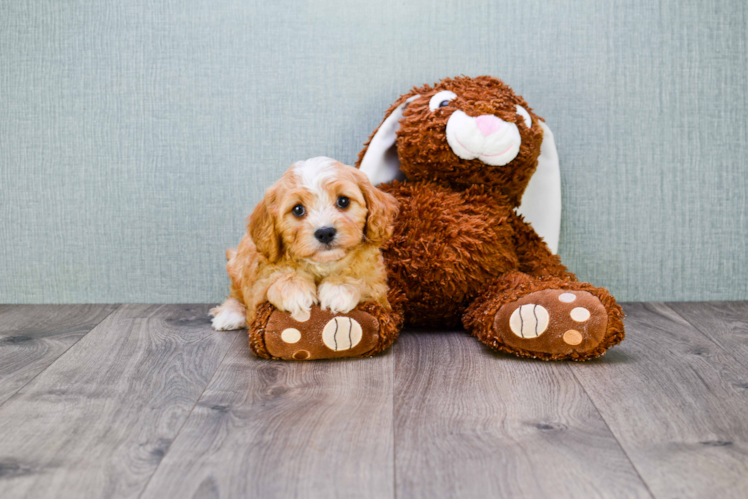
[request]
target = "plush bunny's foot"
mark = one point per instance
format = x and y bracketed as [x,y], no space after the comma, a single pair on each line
[575,322]
[364,331]
[323,335]
[555,322]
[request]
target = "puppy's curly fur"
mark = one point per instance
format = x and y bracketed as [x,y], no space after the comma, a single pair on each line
[313,239]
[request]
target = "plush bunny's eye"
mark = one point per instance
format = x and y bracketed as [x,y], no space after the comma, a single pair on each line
[441,99]
[525,116]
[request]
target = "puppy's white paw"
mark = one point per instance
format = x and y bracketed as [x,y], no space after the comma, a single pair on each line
[338,298]
[293,295]
[231,315]
[229,320]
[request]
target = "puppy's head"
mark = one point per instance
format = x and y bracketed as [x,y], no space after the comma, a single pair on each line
[320,210]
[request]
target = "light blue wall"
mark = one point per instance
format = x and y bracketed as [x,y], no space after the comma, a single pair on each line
[135,136]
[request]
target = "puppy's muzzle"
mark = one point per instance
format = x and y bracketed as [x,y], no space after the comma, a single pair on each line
[325,234]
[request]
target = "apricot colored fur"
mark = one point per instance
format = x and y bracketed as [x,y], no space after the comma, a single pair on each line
[279,257]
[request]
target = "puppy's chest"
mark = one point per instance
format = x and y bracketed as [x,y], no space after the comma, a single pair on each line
[340,269]
[322,271]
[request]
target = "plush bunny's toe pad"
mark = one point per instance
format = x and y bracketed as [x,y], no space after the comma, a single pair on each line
[557,322]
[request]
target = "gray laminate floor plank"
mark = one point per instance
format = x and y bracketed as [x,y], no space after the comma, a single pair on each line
[98,421]
[473,423]
[677,402]
[33,336]
[725,323]
[274,429]
[120,409]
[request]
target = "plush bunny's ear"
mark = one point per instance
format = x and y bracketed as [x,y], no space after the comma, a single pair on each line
[541,202]
[380,162]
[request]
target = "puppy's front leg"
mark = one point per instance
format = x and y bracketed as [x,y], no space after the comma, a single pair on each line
[340,295]
[293,293]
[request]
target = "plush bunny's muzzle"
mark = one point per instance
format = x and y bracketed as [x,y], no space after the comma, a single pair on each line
[487,138]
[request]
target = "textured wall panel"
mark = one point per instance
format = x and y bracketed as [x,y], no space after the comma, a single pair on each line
[136,136]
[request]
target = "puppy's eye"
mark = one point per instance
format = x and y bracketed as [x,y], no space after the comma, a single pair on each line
[343,202]
[298,210]
[441,99]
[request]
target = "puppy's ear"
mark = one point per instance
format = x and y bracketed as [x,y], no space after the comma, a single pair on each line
[261,229]
[382,209]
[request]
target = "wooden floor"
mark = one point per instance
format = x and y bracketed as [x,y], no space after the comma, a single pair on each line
[148,401]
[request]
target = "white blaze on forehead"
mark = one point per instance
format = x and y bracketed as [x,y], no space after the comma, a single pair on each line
[313,174]
[315,171]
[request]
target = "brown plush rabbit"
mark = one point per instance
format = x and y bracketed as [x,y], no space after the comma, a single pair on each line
[461,254]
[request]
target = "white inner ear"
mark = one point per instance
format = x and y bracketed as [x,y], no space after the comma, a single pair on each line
[541,202]
[525,115]
[380,163]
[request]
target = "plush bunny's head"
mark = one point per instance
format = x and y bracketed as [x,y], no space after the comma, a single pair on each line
[467,131]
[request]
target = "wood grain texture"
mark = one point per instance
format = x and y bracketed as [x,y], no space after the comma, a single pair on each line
[677,402]
[33,336]
[272,429]
[725,323]
[472,423]
[122,412]
[98,421]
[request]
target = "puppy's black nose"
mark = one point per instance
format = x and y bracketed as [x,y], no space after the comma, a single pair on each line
[325,234]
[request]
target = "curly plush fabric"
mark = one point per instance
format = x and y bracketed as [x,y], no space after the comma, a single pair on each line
[257,330]
[460,253]
[443,250]
[390,321]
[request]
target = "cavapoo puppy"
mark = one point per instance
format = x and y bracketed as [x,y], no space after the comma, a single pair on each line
[313,239]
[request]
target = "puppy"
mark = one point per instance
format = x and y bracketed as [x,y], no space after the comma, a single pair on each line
[313,239]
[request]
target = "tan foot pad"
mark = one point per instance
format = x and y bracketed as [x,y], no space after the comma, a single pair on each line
[553,321]
[324,335]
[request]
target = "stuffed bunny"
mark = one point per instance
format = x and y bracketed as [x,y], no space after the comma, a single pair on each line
[459,156]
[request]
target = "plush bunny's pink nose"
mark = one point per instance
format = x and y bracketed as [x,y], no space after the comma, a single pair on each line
[488,124]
